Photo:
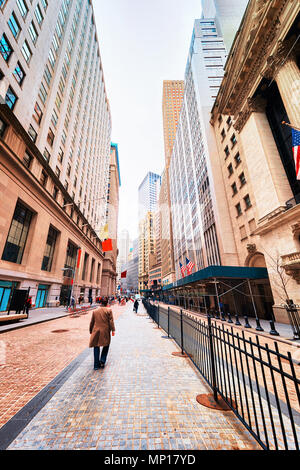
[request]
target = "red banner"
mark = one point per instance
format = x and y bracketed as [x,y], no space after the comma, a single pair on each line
[107,245]
[78,257]
[124,275]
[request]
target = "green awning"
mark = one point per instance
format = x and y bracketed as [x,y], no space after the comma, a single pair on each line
[218,272]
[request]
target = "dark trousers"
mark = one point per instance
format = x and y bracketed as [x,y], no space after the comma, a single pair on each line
[97,358]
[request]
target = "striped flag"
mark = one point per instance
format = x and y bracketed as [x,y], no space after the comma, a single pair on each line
[182,269]
[189,266]
[296,151]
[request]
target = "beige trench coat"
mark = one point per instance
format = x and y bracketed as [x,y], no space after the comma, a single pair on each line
[102,323]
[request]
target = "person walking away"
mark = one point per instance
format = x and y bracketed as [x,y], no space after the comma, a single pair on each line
[101,327]
[136,306]
[28,305]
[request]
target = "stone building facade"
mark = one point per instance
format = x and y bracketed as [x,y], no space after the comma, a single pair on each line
[109,271]
[259,92]
[46,244]
[56,131]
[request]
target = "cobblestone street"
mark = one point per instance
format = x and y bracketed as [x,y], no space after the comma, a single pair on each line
[33,356]
[145,398]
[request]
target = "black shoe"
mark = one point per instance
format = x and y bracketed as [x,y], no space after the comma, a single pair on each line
[102,365]
[97,368]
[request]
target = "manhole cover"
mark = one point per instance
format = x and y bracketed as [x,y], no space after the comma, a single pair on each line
[59,331]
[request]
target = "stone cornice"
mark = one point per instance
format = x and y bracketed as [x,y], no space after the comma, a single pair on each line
[254,43]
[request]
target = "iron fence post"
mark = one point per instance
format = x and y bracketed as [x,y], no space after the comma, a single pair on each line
[181,330]
[168,322]
[158,315]
[212,359]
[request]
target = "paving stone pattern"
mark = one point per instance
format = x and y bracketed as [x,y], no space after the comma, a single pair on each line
[145,398]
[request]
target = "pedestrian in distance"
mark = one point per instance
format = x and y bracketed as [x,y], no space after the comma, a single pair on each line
[101,327]
[136,306]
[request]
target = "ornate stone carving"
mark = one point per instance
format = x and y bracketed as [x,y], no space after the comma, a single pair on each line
[251,248]
[255,104]
[286,50]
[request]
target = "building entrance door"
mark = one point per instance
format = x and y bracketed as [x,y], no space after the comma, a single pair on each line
[41,297]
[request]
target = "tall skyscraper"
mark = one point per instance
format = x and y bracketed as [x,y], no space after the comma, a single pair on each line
[109,271]
[55,120]
[195,181]
[228,15]
[173,92]
[148,194]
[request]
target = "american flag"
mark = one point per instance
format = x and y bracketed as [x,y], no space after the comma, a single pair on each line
[182,269]
[189,266]
[296,150]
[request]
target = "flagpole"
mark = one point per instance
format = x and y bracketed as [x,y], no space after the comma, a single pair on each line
[291,125]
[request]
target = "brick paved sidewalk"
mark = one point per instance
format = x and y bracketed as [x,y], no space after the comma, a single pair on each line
[145,398]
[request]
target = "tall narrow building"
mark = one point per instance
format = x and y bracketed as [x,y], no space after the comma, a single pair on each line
[201,230]
[55,150]
[109,271]
[148,198]
[173,92]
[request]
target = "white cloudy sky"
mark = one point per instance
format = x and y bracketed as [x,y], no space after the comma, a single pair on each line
[142,43]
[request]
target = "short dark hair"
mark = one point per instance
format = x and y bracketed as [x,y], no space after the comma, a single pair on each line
[104,302]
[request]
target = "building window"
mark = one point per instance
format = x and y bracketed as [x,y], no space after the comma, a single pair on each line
[247,201]
[43,178]
[32,133]
[33,32]
[37,115]
[19,73]
[5,48]
[46,155]
[2,4]
[11,98]
[230,169]
[57,172]
[27,159]
[14,25]
[229,123]
[237,159]
[43,93]
[55,193]
[234,189]
[242,179]
[60,155]
[226,150]
[22,7]
[238,209]
[17,236]
[38,15]
[49,250]
[233,141]
[50,137]
[68,169]
[85,263]
[26,51]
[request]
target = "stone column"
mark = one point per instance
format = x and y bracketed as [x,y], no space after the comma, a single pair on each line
[283,68]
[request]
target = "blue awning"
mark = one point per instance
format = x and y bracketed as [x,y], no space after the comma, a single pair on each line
[225,272]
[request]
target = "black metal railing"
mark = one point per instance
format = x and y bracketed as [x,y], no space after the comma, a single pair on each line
[293,202]
[294,318]
[258,382]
